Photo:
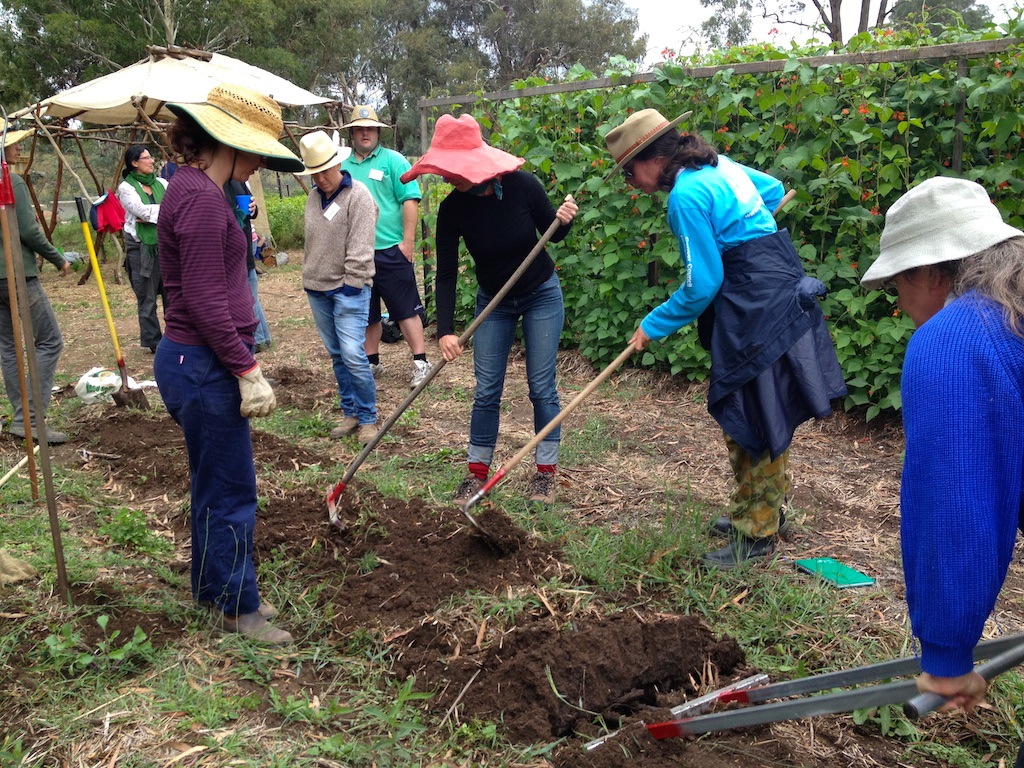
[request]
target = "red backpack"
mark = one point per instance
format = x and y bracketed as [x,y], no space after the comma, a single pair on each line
[106,213]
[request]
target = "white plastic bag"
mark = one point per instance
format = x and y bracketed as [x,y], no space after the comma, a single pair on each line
[98,385]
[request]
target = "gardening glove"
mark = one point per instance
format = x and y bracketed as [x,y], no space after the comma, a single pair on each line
[257,395]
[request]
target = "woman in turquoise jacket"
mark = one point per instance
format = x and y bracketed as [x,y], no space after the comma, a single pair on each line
[773,365]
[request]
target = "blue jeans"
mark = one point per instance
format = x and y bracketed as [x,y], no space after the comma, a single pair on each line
[48,345]
[543,315]
[203,398]
[341,322]
[262,335]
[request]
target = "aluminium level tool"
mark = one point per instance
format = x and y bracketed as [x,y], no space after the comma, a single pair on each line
[1002,654]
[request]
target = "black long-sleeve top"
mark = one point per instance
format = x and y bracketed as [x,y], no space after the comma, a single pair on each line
[498,234]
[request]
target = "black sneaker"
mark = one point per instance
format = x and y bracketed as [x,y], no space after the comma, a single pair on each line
[740,550]
[722,527]
[467,490]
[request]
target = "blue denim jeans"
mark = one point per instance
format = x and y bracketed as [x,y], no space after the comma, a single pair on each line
[542,314]
[262,335]
[203,398]
[341,322]
[48,345]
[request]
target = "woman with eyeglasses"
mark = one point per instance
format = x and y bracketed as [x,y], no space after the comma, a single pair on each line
[140,194]
[773,365]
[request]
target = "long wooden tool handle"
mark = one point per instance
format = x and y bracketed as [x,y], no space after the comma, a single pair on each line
[550,426]
[785,199]
[435,369]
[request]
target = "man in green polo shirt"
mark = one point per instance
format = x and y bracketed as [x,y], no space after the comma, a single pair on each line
[379,169]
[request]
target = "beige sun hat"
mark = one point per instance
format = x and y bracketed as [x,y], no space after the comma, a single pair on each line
[636,132]
[13,137]
[244,119]
[320,152]
[941,219]
[364,115]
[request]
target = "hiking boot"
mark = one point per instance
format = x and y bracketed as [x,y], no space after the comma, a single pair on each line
[740,550]
[365,433]
[722,527]
[53,437]
[376,369]
[542,488]
[467,490]
[420,369]
[262,346]
[348,425]
[254,627]
[266,610]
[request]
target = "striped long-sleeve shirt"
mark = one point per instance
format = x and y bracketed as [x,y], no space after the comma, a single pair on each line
[202,260]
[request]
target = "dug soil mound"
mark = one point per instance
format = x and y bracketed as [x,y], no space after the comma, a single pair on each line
[498,628]
[403,569]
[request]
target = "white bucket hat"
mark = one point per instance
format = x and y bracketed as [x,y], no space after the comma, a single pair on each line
[941,219]
[320,152]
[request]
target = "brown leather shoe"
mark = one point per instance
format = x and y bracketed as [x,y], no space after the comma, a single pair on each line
[366,433]
[254,627]
[348,425]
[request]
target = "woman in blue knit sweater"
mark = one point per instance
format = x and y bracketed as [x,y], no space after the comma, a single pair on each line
[962,496]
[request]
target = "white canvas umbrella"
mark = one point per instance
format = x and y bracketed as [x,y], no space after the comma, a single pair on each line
[117,98]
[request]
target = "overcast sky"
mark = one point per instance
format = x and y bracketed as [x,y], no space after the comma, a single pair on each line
[671,23]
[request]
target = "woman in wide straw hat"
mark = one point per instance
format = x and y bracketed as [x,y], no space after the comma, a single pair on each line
[772,362]
[497,211]
[204,366]
[958,269]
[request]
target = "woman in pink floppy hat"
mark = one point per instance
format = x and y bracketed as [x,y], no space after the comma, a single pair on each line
[497,210]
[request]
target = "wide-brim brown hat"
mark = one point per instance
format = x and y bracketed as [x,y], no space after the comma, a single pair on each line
[458,150]
[363,115]
[244,119]
[320,152]
[638,131]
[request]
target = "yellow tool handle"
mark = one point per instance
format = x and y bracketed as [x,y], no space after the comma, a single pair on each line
[99,276]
